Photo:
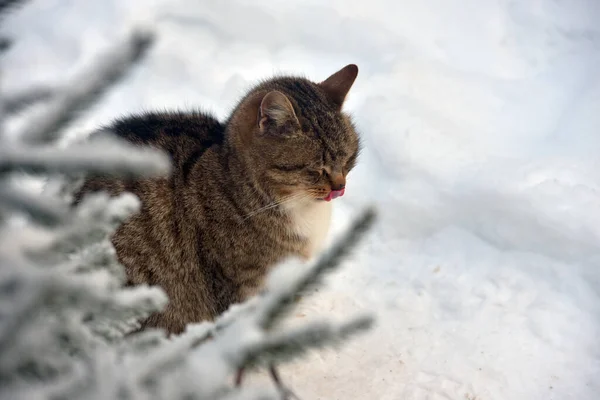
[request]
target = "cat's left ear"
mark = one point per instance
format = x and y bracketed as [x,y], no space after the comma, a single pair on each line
[277,111]
[337,86]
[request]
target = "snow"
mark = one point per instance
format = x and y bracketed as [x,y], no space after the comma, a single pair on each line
[480,126]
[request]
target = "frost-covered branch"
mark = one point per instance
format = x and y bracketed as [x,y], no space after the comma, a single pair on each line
[5,44]
[92,221]
[10,5]
[17,102]
[290,345]
[87,89]
[106,156]
[48,212]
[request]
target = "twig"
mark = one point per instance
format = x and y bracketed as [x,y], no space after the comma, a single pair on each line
[105,157]
[286,393]
[44,211]
[293,343]
[17,102]
[85,93]
[10,5]
[5,44]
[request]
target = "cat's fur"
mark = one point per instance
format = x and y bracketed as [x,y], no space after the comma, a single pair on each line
[242,196]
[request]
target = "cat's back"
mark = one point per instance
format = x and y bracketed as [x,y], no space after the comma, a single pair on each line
[180,134]
[183,136]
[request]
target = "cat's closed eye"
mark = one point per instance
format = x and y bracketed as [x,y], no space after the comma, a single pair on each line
[290,167]
[314,174]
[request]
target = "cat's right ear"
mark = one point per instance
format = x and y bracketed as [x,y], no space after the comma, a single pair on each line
[276,111]
[338,85]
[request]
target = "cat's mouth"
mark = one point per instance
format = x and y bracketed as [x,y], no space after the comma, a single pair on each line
[334,194]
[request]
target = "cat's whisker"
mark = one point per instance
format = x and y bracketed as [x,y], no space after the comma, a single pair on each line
[298,198]
[285,200]
[271,205]
[259,210]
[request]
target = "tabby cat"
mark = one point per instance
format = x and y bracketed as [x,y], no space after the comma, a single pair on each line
[243,194]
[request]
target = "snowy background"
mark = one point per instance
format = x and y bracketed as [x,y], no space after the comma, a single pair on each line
[481,130]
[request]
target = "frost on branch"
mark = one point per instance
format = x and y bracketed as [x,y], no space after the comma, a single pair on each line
[62,304]
[88,88]
[65,316]
[103,155]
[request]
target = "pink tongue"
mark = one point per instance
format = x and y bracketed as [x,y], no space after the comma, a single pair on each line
[334,194]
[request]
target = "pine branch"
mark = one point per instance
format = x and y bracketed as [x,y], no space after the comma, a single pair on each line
[143,342]
[135,304]
[101,156]
[225,320]
[168,356]
[96,256]
[91,222]
[7,6]
[5,44]
[49,290]
[17,102]
[246,395]
[280,301]
[290,345]
[110,69]
[44,211]
[26,305]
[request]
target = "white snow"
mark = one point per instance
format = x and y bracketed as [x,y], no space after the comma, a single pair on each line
[480,122]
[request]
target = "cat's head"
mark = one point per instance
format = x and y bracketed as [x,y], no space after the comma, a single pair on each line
[295,138]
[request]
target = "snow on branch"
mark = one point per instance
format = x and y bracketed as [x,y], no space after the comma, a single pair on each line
[87,89]
[294,343]
[5,44]
[106,156]
[10,5]
[12,104]
[89,225]
[46,211]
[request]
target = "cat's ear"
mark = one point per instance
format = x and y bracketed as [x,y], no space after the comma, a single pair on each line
[338,85]
[275,110]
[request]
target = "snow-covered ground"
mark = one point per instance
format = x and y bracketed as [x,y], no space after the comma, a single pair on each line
[482,134]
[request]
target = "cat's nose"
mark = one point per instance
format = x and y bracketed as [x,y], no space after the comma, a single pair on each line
[338,182]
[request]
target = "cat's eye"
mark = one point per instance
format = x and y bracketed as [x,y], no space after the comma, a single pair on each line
[314,174]
[290,168]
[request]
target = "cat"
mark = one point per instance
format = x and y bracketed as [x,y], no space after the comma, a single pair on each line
[243,194]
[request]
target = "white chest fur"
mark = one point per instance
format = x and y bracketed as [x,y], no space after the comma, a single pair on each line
[311,219]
